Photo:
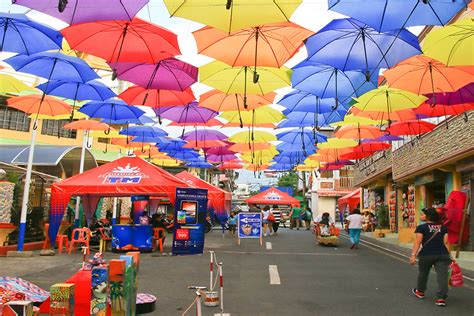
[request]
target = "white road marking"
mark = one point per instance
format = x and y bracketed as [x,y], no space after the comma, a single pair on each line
[274,276]
[291,253]
[268,245]
[219,314]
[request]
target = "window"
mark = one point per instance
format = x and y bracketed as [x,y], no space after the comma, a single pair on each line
[54,128]
[13,119]
[326,174]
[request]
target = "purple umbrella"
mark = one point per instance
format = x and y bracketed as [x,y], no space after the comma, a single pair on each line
[190,113]
[221,158]
[204,134]
[80,11]
[463,95]
[167,74]
[219,151]
[384,138]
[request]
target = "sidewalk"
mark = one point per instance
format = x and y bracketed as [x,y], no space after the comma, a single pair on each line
[465,260]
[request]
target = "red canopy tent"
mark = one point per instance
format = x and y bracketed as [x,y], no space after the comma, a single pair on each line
[274,197]
[219,200]
[125,176]
[351,199]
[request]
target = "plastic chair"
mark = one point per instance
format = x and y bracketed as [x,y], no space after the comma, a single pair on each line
[159,236]
[80,236]
[61,240]
[103,240]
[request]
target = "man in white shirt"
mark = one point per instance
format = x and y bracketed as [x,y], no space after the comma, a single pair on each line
[354,224]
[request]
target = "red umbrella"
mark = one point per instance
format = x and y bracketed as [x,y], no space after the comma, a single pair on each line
[123,40]
[371,146]
[156,98]
[355,155]
[230,165]
[443,110]
[410,128]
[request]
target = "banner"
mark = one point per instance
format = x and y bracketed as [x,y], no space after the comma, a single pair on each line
[249,225]
[189,221]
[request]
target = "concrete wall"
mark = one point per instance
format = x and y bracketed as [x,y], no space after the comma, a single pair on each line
[325,204]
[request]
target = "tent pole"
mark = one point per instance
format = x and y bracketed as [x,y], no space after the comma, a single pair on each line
[114,212]
[81,170]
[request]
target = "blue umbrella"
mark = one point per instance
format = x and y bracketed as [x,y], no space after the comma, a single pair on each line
[92,90]
[390,15]
[281,167]
[300,101]
[21,35]
[53,66]
[289,147]
[111,110]
[301,119]
[140,120]
[149,139]
[143,131]
[348,44]
[199,164]
[329,82]
[182,154]
[295,157]
[299,136]
[172,145]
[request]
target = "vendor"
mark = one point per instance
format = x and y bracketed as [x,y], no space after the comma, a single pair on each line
[145,219]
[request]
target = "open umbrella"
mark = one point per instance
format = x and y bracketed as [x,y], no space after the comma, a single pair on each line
[203,144]
[382,117]
[358,132]
[348,44]
[314,120]
[111,110]
[258,137]
[38,105]
[430,110]
[123,40]
[233,15]
[264,114]
[220,101]
[337,143]
[330,82]
[229,165]
[421,74]
[211,123]
[463,95]
[371,146]
[190,113]
[144,133]
[80,11]
[265,45]
[388,15]
[298,136]
[301,101]
[452,44]
[204,134]
[11,85]
[199,164]
[156,98]
[167,74]
[352,120]
[410,128]
[21,35]
[238,147]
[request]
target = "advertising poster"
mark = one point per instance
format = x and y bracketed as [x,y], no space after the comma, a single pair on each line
[189,221]
[249,226]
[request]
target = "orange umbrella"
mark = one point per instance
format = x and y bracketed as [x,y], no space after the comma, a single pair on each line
[256,167]
[252,147]
[371,146]
[89,125]
[410,128]
[443,110]
[421,75]
[150,152]
[268,45]
[40,105]
[219,101]
[124,142]
[156,98]
[358,132]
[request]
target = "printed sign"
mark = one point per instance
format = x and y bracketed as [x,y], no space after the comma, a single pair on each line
[250,225]
[124,175]
[273,196]
[189,221]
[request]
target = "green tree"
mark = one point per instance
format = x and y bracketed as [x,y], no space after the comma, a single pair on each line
[289,180]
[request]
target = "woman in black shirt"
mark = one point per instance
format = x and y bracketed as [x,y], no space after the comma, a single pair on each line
[433,238]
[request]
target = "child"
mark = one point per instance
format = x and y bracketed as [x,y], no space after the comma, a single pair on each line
[232,223]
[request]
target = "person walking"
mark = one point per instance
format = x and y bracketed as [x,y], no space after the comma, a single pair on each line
[277,215]
[354,223]
[295,215]
[308,217]
[266,224]
[432,237]
[232,223]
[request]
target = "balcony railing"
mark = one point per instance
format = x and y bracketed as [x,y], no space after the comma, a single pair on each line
[345,183]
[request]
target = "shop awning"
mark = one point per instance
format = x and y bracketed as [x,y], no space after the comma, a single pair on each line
[352,200]
[273,196]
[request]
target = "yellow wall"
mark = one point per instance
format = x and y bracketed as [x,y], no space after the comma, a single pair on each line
[326,204]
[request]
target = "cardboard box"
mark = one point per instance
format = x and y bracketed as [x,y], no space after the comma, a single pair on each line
[18,308]
[117,270]
[99,291]
[62,299]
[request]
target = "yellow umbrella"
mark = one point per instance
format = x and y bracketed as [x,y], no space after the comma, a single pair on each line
[258,137]
[261,115]
[385,99]
[233,15]
[352,120]
[166,162]
[77,115]
[9,84]
[452,44]
[111,134]
[309,165]
[241,79]
[337,143]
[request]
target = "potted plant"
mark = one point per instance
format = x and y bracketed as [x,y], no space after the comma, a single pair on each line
[383,224]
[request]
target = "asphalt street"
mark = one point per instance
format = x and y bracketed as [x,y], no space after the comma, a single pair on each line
[314,280]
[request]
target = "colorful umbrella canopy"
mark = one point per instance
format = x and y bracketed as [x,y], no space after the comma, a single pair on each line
[388,15]
[233,15]
[352,120]
[92,90]
[167,74]
[190,113]
[443,110]
[259,125]
[301,101]
[358,132]
[240,79]
[463,95]
[80,11]
[156,98]
[143,131]
[199,144]
[341,43]
[220,158]
[306,146]
[150,152]
[337,143]
[219,151]
[267,45]
[253,146]
[219,101]
[386,138]
[211,123]
[452,45]
[381,116]
[421,74]
[329,82]
[39,105]
[123,40]
[298,136]
[166,162]
[199,164]
[302,119]
[204,134]
[258,137]
[111,110]
[21,35]
[356,155]
[89,125]
[53,66]
[9,84]
[229,165]
[264,114]
[410,128]
[182,154]
[371,146]
[385,99]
